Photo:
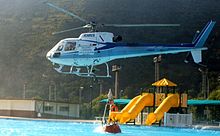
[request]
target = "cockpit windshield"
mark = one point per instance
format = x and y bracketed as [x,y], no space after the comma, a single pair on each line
[60,46]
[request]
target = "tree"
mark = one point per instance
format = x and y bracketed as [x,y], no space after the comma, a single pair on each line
[215,95]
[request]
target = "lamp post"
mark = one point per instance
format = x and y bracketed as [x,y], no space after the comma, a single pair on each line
[49,93]
[157,61]
[100,86]
[80,98]
[205,82]
[91,88]
[52,94]
[80,94]
[116,69]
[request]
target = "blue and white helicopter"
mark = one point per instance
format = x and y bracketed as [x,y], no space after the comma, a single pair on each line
[82,54]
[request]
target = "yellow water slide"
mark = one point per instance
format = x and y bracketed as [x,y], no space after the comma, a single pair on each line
[144,100]
[171,101]
[115,116]
[133,108]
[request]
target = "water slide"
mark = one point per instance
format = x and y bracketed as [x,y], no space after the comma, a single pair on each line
[132,109]
[171,101]
[112,115]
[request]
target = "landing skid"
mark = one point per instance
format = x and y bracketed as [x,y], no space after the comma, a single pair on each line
[90,71]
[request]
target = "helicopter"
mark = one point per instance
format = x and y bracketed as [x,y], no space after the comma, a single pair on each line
[81,55]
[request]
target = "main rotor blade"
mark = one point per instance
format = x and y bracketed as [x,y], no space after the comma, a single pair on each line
[141,25]
[66,12]
[68,30]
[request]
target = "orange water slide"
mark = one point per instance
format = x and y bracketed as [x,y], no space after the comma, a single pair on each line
[146,99]
[171,101]
[133,108]
[115,116]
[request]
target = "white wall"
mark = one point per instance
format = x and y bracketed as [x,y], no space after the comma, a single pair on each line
[26,105]
[63,109]
[74,110]
[5,105]
[58,108]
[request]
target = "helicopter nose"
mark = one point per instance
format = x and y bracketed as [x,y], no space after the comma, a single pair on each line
[48,56]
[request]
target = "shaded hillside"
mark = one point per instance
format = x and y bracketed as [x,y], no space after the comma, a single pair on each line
[25,37]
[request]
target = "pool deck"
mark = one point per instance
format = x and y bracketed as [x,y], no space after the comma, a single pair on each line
[203,127]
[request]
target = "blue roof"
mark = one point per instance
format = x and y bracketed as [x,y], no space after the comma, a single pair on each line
[189,102]
[203,102]
[117,101]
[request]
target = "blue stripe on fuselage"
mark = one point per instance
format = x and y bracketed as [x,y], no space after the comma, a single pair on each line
[109,45]
[112,45]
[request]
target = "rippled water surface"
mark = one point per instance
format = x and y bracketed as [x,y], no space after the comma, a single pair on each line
[13,127]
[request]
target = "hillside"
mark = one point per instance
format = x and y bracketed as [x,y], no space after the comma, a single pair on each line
[25,38]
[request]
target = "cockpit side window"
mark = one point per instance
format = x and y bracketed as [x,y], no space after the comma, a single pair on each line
[70,46]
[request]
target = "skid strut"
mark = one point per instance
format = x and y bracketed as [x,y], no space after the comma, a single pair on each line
[90,71]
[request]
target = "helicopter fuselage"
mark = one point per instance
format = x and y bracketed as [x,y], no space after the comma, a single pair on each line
[95,49]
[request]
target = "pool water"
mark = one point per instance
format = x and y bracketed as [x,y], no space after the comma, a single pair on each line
[14,127]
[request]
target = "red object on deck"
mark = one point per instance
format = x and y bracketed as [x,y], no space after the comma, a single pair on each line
[112,128]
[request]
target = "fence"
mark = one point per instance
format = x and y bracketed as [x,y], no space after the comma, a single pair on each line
[177,120]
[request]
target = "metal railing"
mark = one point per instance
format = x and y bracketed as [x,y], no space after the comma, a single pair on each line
[177,120]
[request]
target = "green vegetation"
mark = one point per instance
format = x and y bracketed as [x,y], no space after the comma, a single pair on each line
[215,95]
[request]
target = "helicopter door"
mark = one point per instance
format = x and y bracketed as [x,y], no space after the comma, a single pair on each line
[86,50]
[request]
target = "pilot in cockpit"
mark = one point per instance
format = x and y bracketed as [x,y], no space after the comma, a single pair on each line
[69,46]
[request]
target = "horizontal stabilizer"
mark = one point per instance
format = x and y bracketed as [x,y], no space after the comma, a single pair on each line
[197,55]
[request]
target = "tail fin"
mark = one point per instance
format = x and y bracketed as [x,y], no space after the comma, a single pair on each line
[203,35]
[200,41]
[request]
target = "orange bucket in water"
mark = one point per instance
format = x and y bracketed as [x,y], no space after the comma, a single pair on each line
[114,128]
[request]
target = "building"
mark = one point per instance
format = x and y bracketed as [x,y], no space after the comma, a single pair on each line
[38,108]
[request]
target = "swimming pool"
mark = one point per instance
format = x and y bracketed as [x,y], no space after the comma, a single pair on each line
[14,127]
